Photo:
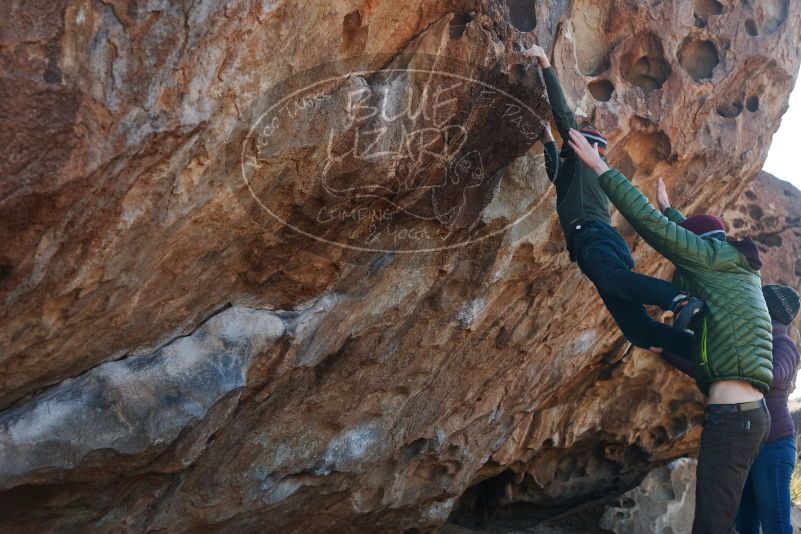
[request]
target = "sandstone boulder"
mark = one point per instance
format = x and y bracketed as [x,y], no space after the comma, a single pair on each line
[663,503]
[209,321]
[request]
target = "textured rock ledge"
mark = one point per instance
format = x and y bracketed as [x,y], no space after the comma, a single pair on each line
[131,405]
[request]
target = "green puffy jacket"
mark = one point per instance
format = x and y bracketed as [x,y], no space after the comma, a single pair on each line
[734,339]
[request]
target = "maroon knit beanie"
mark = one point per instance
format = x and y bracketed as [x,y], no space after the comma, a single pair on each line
[703,225]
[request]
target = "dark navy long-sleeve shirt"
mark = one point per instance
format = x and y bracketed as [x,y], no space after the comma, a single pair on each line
[579,196]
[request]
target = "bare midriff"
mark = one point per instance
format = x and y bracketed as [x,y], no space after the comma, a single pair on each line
[733,392]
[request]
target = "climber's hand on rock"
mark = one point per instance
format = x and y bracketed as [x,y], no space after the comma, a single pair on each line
[662,197]
[547,135]
[538,52]
[587,153]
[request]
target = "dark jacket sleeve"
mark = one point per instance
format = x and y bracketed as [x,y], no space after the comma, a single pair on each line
[562,114]
[785,362]
[682,364]
[551,160]
[674,242]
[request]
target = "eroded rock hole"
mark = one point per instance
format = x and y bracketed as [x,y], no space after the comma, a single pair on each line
[354,35]
[521,14]
[751,27]
[647,74]
[643,62]
[511,499]
[414,449]
[705,9]
[771,221]
[678,425]
[708,8]
[640,153]
[774,13]
[699,58]
[659,435]
[459,23]
[698,21]
[752,103]
[731,103]
[591,25]
[482,501]
[769,240]
[756,212]
[730,109]
[52,74]
[601,90]
[649,149]
[554,483]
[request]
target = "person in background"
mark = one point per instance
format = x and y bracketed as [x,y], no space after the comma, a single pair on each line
[732,353]
[766,496]
[596,246]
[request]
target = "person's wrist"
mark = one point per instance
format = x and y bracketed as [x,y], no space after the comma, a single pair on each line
[544,63]
[600,167]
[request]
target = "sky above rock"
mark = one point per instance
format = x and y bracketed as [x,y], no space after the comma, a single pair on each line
[784,146]
[781,163]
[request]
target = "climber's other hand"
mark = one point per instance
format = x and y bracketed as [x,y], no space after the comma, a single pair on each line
[547,134]
[587,153]
[536,51]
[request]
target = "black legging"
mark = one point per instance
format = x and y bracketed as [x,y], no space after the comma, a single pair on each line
[603,255]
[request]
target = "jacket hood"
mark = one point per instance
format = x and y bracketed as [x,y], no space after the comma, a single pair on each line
[749,249]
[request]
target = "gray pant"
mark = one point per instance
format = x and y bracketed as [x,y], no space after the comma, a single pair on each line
[729,443]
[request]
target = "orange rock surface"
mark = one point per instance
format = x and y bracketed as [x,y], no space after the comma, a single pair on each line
[291,267]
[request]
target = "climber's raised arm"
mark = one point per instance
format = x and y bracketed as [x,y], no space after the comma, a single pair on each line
[562,114]
[677,244]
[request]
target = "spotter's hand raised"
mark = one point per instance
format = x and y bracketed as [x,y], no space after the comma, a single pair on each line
[587,153]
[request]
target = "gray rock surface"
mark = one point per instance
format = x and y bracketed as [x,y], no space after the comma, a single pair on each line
[135,404]
[662,504]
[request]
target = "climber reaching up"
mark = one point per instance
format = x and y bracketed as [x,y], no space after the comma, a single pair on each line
[600,251]
[732,350]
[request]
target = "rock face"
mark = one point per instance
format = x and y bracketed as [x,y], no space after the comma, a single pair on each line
[768,212]
[264,258]
[663,503]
